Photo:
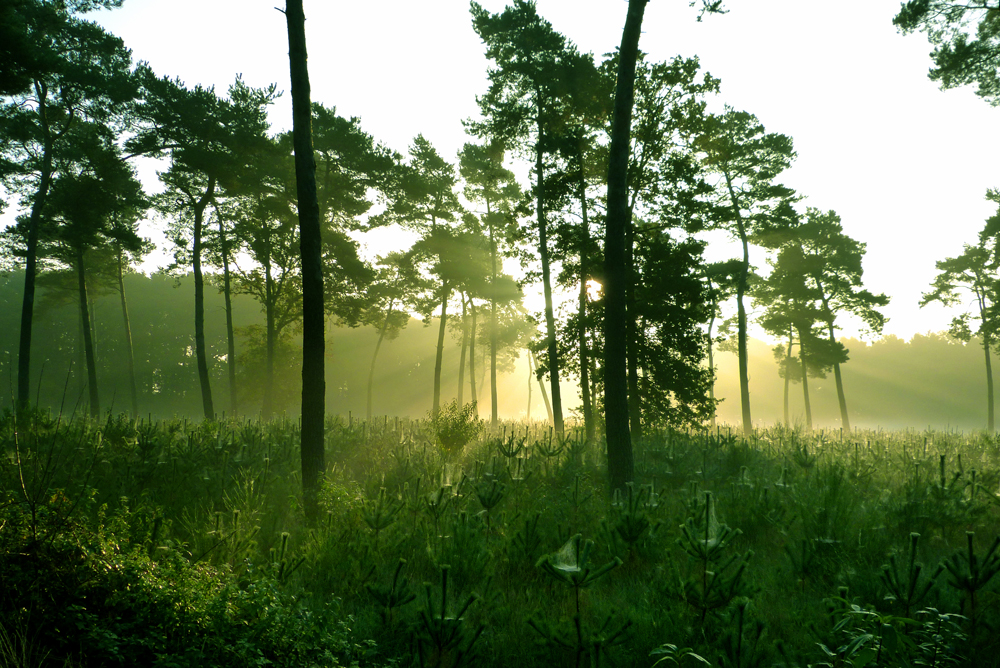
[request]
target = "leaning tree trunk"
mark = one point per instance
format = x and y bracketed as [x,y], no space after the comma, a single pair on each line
[616,275]
[129,354]
[310,244]
[543,249]
[805,383]
[541,386]
[845,420]
[230,337]
[88,340]
[439,358]
[199,302]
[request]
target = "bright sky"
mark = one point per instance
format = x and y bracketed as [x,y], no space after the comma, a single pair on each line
[904,164]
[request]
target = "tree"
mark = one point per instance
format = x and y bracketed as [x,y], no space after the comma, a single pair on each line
[966,39]
[970,274]
[833,264]
[213,145]
[71,72]
[525,108]
[313,345]
[81,209]
[747,201]
[721,279]
[489,183]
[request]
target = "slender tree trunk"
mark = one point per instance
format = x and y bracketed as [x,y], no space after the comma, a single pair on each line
[31,257]
[493,322]
[531,380]
[199,302]
[267,405]
[711,360]
[845,419]
[472,357]
[989,385]
[378,345]
[741,336]
[543,249]
[588,408]
[461,357]
[230,336]
[616,274]
[313,329]
[446,290]
[788,380]
[88,341]
[632,332]
[81,358]
[805,383]
[129,353]
[541,387]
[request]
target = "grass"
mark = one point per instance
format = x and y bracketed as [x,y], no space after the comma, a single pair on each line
[179,543]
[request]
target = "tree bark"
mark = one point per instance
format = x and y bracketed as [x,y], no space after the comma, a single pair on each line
[230,337]
[31,257]
[439,358]
[632,333]
[741,326]
[845,420]
[461,358]
[199,302]
[88,340]
[472,357]
[267,405]
[541,386]
[616,276]
[313,326]
[788,380]
[989,385]
[805,383]
[588,408]
[130,355]
[543,249]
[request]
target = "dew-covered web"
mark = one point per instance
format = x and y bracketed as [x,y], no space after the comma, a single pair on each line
[568,557]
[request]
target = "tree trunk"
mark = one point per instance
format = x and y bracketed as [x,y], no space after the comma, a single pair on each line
[199,302]
[446,290]
[588,409]
[616,275]
[129,354]
[543,249]
[845,420]
[805,383]
[88,341]
[741,335]
[31,258]
[267,405]
[461,357]
[711,360]
[310,243]
[632,341]
[989,385]
[493,319]
[788,380]
[378,345]
[230,337]
[541,386]
[472,357]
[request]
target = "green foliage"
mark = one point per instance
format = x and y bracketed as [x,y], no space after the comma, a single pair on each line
[456,426]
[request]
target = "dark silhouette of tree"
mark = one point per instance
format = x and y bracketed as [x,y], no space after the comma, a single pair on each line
[961,277]
[59,71]
[747,201]
[525,108]
[966,39]
[310,240]
[833,265]
[721,279]
[214,145]
[489,183]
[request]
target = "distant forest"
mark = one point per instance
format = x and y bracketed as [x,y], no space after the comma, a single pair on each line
[933,380]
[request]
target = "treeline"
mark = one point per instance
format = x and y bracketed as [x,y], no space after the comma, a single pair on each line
[627,170]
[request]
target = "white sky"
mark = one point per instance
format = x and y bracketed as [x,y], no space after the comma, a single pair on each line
[904,164]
